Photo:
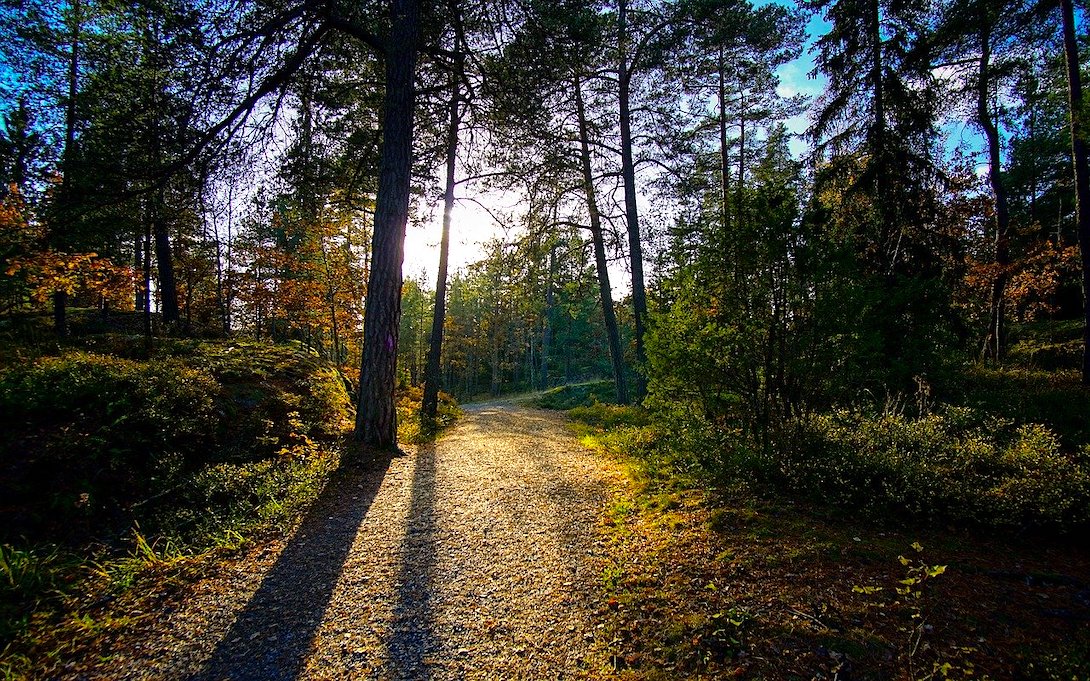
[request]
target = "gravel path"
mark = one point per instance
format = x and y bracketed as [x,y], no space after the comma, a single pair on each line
[473,558]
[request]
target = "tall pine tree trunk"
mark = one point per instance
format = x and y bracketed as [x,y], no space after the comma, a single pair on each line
[632,221]
[546,320]
[996,338]
[604,289]
[430,406]
[164,259]
[1082,169]
[376,417]
[724,157]
[60,298]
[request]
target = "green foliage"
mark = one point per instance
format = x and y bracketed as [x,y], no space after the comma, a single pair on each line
[412,427]
[609,416]
[103,434]
[952,463]
[1047,345]
[958,464]
[1024,396]
[124,465]
[577,395]
[88,435]
[27,576]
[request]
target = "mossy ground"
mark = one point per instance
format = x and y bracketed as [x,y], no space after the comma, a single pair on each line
[739,580]
[126,472]
[733,584]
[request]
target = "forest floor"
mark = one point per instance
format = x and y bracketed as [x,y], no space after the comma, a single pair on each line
[474,557]
[509,549]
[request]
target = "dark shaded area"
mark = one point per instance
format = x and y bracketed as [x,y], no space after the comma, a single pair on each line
[271,637]
[413,644]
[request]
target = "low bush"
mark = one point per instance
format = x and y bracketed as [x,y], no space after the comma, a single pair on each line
[1055,399]
[411,428]
[91,437]
[109,463]
[955,464]
[952,464]
[577,395]
[604,415]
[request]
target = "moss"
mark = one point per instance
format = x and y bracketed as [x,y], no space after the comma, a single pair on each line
[577,395]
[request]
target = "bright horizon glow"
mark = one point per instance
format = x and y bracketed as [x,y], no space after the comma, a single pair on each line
[471,227]
[474,224]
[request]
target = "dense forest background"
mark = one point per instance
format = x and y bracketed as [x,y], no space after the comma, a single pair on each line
[217,170]
[213,168]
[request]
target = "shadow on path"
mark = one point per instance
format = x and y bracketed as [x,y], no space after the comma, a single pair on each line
[271,637]
[413,646]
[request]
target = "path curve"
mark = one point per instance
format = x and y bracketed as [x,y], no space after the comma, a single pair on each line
[473,558]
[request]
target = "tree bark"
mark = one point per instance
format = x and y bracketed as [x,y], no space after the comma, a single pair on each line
[994,345]
[164,260]
[632,221]
[546,321]
[724,158]
[1082,169]
[60,298]
[430,405]
[604,289]
[376,417]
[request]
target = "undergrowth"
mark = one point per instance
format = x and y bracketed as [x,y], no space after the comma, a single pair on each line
[122,468]
[956,464]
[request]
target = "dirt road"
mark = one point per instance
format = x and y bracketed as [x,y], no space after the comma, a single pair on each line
[473,558]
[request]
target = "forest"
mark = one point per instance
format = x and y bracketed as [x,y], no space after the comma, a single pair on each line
[830,253]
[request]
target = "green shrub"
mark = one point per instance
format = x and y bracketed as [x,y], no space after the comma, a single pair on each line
[955,464]
[577,395]
[609,416]
[88,434]
[411,428]
[1024,396]
[91,438]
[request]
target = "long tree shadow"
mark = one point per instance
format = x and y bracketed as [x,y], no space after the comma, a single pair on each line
[272,635]
[412,647]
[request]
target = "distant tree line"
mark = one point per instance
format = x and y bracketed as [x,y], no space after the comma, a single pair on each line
[242,167]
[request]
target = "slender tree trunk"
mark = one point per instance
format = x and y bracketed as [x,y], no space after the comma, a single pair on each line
[604,289]
[164,257]
[632,220]
[376,417]
[60,298]
[1082,169]
[994,345]
[877,142]
[430,406]
[164,260]
[741,186]
[138,263]
[147,283]
[546,320]
[724,157]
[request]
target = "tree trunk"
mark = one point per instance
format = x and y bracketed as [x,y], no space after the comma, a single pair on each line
[994,345]
[376,416]
[724,158]
[147,283]
[632,221]
[138,264]
[604,289]
[546,321]
[60,298]
[1082,170]
[164,260]
[430,406]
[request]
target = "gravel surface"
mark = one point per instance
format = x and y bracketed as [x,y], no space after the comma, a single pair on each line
[473,558]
